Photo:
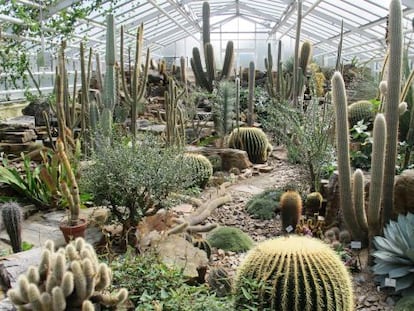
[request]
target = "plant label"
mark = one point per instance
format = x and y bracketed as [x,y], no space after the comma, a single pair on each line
[289,229]
[356,244]
[321,218]
[277,216]
[390,282]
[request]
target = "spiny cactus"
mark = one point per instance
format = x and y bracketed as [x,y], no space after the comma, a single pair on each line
[293,274]
[391,105]
[219,281]
[201,167]
[203,245]
[65,280]
[360,110]
[344,167]
[252,77]
[313,203]
[305,56]
[253,140]
[290,210]
[358,194]
[230,239]
[12,220]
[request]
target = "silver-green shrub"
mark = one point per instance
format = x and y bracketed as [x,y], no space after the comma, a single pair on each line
[135,180]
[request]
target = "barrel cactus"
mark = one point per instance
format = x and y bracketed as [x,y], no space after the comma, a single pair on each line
[360,110]
[70,278]
[201,168]
[294,274]
[253,140]
[12,220]
[230,239]
[290,210]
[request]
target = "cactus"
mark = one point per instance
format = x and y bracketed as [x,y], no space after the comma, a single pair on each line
[377,173]
[313,203]
[203,245]
[293,274]
[230,239]
[358,194]
[201,168]
[12,220]
[206,80]
[237,106]
[253,140]
[219,281]
[360,110]
[305,56]
[175,132]
[223,114]
[391,106]
[296,70]
[134,98]
[290,210]
[252,76]
[344,167]
[65,280]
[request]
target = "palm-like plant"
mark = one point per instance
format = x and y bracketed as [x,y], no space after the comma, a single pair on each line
[394,255]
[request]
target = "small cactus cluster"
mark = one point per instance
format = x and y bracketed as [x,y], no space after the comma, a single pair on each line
[290,210]
[70,278]
[253,140]
[313,227]
[293,273]
[201,167]
[12,220]
[360,110]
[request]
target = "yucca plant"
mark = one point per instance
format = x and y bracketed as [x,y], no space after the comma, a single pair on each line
[394,255]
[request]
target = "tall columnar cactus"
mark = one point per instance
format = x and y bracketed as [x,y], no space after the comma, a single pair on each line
[342,143]
[66,280]
[296,57]
[358,194]
[175,132]
[290,210]
[237,106]
[252,79]
[206,79]
[109,92]
[377,174]
[224,114]
[305,56]
[293,274]
[392,103]
[135,97]
[253,140]
[12,220]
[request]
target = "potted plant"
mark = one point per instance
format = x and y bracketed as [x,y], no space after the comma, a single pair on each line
[74,226]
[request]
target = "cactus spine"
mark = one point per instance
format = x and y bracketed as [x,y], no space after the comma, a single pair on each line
[377,174]
[293,274]
[251,94]
[290,210]
[391,107]
[12,220]
[342,143]
[66,280]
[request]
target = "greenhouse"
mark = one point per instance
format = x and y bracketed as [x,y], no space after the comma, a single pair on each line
[183,155]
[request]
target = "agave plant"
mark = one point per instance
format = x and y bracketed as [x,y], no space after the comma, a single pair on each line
[394,255]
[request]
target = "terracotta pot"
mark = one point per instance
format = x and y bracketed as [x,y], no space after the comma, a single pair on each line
[72,232]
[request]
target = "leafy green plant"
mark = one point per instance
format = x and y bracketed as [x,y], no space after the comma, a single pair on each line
[154,286]
[265,204]
[230,239]
[134,180]
[405,304]
[306,134]
[394,255]
[361,139]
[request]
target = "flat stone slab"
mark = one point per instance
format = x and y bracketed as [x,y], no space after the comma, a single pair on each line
[247,188]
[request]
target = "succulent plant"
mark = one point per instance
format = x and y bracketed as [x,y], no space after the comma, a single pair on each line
[12,220]
[394,254]
[264,205]
[360,110]
[201,167]
[290,210]
[405,304]
[219,281]
[313,203]
[293,273]
[203,245]
[66,279]
[230,239]
[253,140]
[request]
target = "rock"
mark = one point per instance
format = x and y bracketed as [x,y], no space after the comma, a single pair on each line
[178,252]
[404,188]
[36,108]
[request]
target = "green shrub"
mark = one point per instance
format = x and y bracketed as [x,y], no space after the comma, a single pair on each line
[230,239]
[134,181]
[154,286]
[264,205]
[405,304]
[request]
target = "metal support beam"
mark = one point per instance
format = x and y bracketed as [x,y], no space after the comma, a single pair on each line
[258,13]
[290,9]
[159,8]
[184,14]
